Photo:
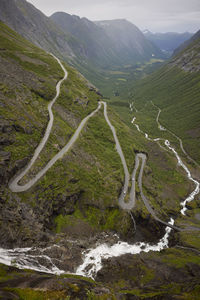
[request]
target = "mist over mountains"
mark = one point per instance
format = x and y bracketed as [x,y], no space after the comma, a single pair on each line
[78,39]
[99,175]
[168,41]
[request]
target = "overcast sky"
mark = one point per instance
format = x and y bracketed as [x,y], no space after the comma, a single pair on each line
[155,15]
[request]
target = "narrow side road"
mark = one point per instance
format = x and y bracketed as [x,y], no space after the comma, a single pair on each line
[16,187]
[131,203]
[14,183]
[123,160]
[145,200]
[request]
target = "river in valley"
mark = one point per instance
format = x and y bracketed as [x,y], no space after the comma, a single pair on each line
[39,260]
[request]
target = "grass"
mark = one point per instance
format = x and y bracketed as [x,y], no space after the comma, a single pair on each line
[92,166]
[64,287]
[180,258]
[164,183]
[82,188]
[176,92]
[23,98]
[30,294]
[92,169]
[102,220]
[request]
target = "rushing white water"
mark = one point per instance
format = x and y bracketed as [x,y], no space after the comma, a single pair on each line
[172,133]
[180,162]
[93,257]
[29,258]
[189,176]
[133,120]
[132,107]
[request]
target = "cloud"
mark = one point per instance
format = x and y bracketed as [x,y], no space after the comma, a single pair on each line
[156,15]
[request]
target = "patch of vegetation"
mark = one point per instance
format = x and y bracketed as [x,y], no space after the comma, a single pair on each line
[30,294]
[92,168]
[179,258]
[176,92]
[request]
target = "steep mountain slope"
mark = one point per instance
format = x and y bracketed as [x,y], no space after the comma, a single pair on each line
[128,40]
[175,89]
[81,201]
[184,45]
[96,44]
[80,42]
[74,206]
[28,80]
[89,178]
[168,41]
[32,24]
[119,42]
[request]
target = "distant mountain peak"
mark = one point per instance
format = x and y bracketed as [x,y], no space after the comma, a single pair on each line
[146,31]
[167,41]
[79,41]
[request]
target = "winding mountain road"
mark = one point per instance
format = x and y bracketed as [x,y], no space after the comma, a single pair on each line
[25,257]
[120,152]
[16,187]
[13,185]
[145,200]
[180,162]
[139,156]
[130,205]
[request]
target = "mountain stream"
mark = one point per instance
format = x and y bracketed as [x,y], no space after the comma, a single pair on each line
[38,260]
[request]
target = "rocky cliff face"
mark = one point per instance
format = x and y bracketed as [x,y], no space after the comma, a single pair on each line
[108,43]
[87,45]
[74,206]
[37,28]
[187,43]
[129,41]
[187,56]
[95,43]
[75,202]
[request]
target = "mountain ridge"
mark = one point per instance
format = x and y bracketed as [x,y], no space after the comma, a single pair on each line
[33,25]
[174,88]
[124,33]
[74,207]
[184,45]
[88,47]
[167,41]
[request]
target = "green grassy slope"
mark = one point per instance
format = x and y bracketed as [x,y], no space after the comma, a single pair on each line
[81,43]
[77,197]
[175,88]
[88,179]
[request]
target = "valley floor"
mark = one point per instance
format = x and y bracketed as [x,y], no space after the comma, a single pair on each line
[68,210]
[37,259]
